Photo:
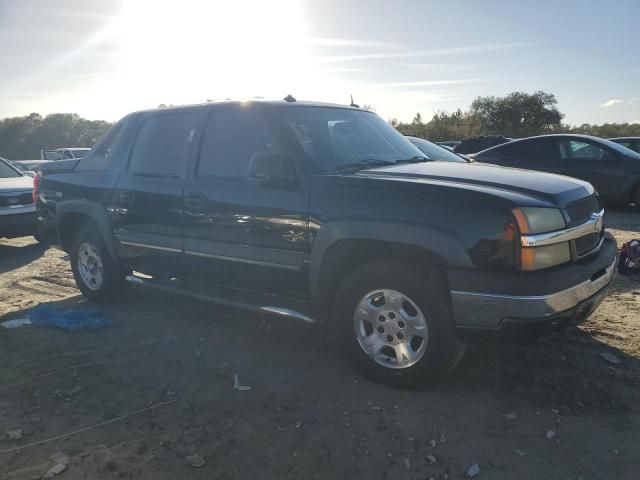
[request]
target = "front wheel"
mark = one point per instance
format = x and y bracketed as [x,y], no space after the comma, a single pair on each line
[98,277]
[397,325]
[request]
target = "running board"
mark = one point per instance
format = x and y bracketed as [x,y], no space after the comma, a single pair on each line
[222,296]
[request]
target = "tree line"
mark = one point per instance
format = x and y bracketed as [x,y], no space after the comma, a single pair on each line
[22,138]
[516,115]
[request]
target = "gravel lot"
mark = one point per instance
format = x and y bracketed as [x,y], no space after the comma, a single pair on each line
[553,410]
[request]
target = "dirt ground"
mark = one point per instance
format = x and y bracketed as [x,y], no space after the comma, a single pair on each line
[308,414]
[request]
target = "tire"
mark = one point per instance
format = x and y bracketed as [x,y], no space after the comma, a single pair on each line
[98,277]
[382,306]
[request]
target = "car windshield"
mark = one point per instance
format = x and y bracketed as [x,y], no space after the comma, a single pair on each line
[334,138]
[79,153]
[6,171]
[620,148]
[435,152]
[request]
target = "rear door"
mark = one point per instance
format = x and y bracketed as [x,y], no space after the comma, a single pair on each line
[148,199]
[594,163]
[542,154]
[240,231]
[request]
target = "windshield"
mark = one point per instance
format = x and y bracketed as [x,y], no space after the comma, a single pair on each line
[7,171]
[435,152]
[337,137]
[78,153]
[627,152]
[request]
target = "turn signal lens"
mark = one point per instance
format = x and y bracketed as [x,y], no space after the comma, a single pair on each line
[537,258]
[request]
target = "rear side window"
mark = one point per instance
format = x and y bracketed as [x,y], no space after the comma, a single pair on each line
[163,144]
[542,149]
[99,157]
[232,136]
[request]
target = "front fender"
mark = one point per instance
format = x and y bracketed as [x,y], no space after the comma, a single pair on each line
[436,240]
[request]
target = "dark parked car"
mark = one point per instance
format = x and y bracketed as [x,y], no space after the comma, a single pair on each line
[432,151]
[611,168]
[630,142]
[327,214]
[477,144]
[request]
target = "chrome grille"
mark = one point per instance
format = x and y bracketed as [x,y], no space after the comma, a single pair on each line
[580,210]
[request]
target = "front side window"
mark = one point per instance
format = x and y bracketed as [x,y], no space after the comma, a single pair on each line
[163,144]
[232,137]
[335,137]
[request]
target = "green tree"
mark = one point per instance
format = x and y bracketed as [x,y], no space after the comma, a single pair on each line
[518,114]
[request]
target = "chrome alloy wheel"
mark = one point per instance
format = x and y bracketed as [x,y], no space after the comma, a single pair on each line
[391,328]
[90,266]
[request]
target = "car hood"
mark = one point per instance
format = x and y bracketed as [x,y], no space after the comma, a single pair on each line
[16,184]
[556,189]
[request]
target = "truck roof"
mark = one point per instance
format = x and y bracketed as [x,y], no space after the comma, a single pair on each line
[275,103]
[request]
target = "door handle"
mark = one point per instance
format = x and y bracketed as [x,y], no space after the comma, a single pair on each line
[127,197]
[194,201]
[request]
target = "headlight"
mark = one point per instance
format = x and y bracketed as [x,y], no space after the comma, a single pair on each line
[534,221]
[539,220]
[537,258]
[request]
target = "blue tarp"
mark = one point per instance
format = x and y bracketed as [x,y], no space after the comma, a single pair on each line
[74,320]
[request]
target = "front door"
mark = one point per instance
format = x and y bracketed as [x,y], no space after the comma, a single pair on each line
[147,204]
[593,163]
[238,230]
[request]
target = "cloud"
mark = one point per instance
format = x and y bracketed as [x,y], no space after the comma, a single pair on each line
[428,83]
[344,42]
[611,103]
[425,53]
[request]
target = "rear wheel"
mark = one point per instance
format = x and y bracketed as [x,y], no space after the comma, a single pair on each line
[396,324]
[98,277]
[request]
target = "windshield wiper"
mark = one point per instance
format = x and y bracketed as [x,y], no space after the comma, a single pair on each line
[416,159]
[361,164]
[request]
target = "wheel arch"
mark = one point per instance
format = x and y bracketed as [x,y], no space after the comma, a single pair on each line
[73,216]
[339,248]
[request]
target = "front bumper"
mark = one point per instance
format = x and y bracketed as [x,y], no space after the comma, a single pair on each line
[18,221]
[479,312]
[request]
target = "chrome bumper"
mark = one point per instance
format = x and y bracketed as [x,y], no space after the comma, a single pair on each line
[485,310]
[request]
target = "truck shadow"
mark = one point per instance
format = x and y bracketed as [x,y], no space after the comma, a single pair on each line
[17,254]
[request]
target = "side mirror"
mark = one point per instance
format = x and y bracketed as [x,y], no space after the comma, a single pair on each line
[272,168]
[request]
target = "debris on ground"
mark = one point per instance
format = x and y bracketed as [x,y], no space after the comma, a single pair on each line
[433,444]
[15,323]
[55,470]
[473,470]
[407,464]
[237,386]
[15,434]
[73,320]
[196,461]
[60,457]
[520,453]
[550,434]
[611,358]
[74,391]
[431,459]
[510,416]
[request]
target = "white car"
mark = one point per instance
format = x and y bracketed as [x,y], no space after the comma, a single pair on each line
[17,208]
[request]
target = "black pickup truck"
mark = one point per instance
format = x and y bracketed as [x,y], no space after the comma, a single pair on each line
[324,213]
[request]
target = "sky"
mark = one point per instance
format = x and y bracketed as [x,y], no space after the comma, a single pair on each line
[105,58]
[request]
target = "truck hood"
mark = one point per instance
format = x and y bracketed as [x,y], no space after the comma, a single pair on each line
[555,189]
[16,184]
